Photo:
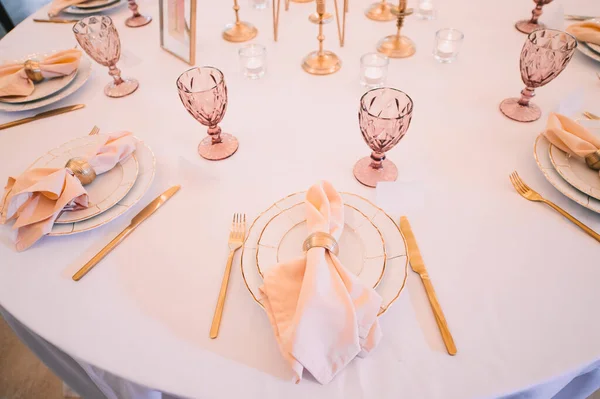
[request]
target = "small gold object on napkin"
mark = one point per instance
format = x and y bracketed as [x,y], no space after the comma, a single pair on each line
[322,315]
[573,139]
[586,31]
[36,198]
[15,78]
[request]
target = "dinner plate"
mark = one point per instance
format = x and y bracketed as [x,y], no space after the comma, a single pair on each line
[146,169]
[594,47]
[82,75]
[106,190]
[94,4]
[81,11]
[361,244]
[587,50]
[541,152]
[394,276]
[576,172]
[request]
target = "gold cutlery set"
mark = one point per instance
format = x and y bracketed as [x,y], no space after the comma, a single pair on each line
[42,115]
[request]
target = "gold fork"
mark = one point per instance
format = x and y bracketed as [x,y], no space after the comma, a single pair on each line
[526,192]
[236,239]
[589,115]
[94,131]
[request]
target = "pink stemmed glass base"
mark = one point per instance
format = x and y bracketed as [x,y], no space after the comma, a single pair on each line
[125,88]
[137,21]
[370,176]
[522,113]
[526,26]
[215,152]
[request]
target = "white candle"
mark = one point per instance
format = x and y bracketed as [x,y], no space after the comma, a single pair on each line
[373,75]
[445,48]
[426,6]
[254,65]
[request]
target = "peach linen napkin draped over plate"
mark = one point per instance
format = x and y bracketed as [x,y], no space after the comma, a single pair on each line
[570,136]
[586,31]
[37,197]
[14,80]
[322,315]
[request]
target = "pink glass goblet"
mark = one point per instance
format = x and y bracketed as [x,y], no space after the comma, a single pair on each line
[384,117]
[529,25]
[137,19]
[204,94]
[99,38]
[545,54]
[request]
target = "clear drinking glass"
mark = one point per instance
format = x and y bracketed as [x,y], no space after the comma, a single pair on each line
[545,54]
[204,94]
[253,60]
[448,42]
[373,69]
[259,4]
[529,25]
[425,10]
[99,38]
[384,117]
[137,19]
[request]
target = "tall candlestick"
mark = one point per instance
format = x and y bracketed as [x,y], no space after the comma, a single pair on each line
[239,31]
[398,46]
[321,62]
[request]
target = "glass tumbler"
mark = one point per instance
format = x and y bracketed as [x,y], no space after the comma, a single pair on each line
[253,60]
[373,70]
[448,42]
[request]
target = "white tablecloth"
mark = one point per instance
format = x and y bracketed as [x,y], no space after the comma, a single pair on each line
[517,282]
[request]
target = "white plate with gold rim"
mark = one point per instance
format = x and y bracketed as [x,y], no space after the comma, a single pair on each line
[106,190]
[394,276]
[576,172]
[75,10]
[146,169]
[361,244]
[541,152]
[83,73]
[92,4]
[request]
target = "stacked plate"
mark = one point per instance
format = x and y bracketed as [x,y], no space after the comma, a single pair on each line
[590,49]
[570,175]
[93,6]
[111,194]
[47,91]
[371,245]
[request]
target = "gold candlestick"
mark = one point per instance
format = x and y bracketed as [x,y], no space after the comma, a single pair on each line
[398,46]
[239,31]
[321,62]
[381,11]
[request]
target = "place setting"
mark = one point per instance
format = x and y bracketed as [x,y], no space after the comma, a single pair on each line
[74,9]
[587,33]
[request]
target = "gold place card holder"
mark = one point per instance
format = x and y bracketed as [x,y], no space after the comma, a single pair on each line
[178,28]
[398,46]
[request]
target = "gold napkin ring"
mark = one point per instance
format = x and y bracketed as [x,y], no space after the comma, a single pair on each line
[81,169]
[323,240]
[33,71]
[593,160]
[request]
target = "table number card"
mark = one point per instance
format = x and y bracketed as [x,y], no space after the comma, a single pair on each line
[178,28]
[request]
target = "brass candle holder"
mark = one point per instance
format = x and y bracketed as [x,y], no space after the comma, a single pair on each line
[239,31]
[398,46]
[321,62]
[381,11]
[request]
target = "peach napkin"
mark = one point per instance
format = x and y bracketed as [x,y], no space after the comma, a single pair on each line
[586,31]
[37,197]
[322,315]
[14,80]
[58,5]
[570,136]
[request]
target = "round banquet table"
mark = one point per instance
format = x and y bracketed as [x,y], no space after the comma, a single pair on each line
[518,283]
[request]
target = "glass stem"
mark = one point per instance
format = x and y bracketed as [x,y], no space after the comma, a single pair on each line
[377,159]
[535,14]
[134,8]
[526,95]
[115,73]
[215,134]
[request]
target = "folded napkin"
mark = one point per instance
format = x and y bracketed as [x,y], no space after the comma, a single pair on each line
[322,315]
[570,136]
[58,5]
[37,197]
[586,31]
[14,80]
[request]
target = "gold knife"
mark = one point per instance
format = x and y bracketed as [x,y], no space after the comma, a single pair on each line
[589,115]
[135,222]
[42,115]
[578,17]
[416,262]
[56,20]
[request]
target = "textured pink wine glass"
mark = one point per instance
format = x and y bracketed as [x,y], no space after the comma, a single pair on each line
[204,94]
[98,36]
[529,25]
[384,117]
[544,56]
[137,19]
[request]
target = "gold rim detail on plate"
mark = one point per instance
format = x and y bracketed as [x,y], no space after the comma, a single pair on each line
[274,205]
[558,170]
